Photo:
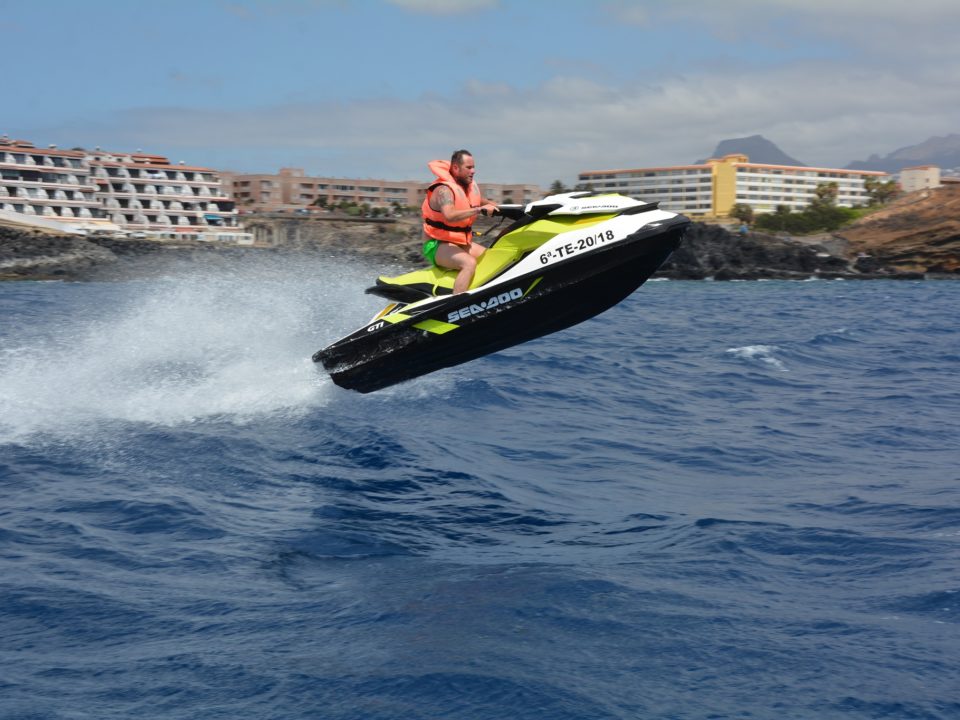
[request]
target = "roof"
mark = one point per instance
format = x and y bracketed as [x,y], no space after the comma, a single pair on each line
[814,169]
[712,161]
[28,147]
[152,166]
[646,169]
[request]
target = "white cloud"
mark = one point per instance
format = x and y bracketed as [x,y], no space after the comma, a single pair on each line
[821,114]
[883,28]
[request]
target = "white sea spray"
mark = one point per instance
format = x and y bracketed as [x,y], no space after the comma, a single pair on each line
[234,344]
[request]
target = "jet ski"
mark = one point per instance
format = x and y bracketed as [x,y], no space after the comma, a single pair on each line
[559,261]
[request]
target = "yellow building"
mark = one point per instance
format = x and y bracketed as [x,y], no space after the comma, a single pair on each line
[712,188]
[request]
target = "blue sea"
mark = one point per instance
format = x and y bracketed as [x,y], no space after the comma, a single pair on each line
[716,500]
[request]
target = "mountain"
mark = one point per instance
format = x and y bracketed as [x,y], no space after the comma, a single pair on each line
[755,147]
[941,151]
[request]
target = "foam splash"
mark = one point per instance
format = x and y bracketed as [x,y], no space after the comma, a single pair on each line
[762,354]
[234,345]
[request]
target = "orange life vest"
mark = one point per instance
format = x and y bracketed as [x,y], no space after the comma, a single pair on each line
[434,224]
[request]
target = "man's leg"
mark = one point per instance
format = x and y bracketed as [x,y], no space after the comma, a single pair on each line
[460,258]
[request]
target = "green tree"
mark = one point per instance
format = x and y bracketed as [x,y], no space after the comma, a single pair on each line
[778,220]
[557,187]
[782,211]
[825,195]
[742,212]
[817,217]
[880,192]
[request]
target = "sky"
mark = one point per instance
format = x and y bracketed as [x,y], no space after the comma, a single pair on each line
[538,90]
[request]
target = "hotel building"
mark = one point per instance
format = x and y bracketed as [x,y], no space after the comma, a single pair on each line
[77,191]
[292,189]
[711,189]
[149,194]
[48,187]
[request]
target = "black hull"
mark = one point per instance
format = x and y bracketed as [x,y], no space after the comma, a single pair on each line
[569,293]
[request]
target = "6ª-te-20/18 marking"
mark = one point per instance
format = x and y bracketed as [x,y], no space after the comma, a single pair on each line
[575,246]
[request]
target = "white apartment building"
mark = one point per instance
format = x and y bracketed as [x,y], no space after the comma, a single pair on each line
[147,193]
[712,189]
[77,191]
[920,177]
[47,187]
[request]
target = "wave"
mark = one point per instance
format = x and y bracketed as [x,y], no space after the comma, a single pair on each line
[760,354]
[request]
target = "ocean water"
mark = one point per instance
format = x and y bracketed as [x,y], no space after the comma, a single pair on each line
[717,500]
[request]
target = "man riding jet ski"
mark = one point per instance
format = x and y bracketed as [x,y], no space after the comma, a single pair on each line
[561,260]
[452,203]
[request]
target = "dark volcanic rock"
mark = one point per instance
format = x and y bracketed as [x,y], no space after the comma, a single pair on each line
[38,256]
[712,251]
[708,251]
[867,264]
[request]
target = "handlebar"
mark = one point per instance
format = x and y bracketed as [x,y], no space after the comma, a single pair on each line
[513,212]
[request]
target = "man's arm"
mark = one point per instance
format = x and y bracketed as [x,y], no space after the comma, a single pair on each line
[443,198]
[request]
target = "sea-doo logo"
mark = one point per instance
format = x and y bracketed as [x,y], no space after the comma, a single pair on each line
[593,206]
[495,301]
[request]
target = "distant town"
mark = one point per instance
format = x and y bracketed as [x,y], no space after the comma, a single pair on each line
[141,195]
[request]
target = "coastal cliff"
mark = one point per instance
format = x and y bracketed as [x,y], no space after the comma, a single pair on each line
[41,256]
[27,255]
[919,232]
[710,251]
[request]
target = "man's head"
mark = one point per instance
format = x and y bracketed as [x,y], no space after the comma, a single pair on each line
[462,167]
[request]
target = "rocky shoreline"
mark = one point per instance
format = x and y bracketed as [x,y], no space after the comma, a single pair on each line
[712,252]
[708,251]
